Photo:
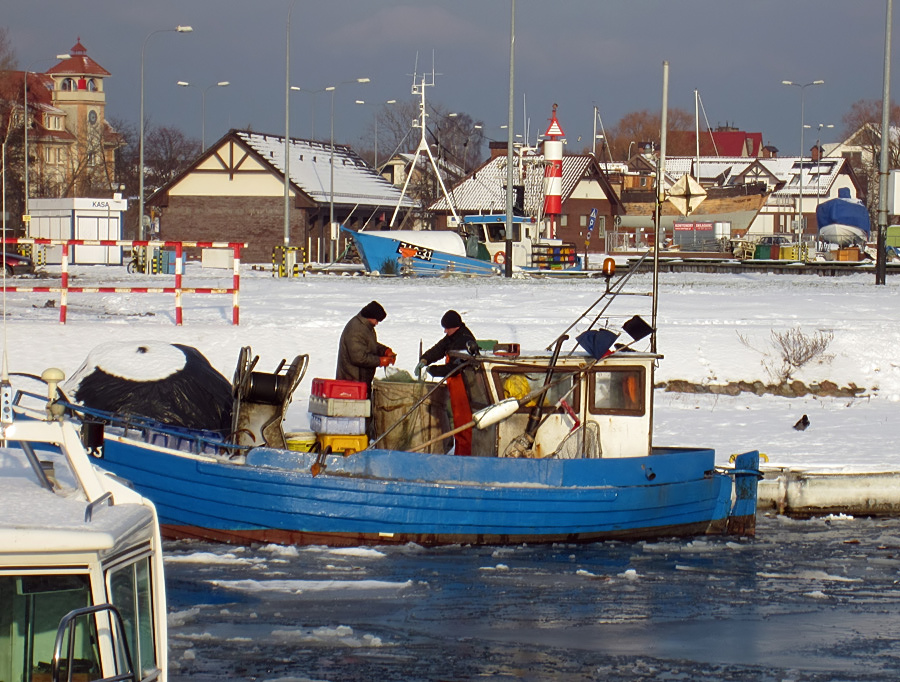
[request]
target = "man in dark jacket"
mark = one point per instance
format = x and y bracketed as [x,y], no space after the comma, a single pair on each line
[456,337]
[359,353]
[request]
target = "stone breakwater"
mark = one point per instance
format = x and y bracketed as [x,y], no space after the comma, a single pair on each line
[790,389]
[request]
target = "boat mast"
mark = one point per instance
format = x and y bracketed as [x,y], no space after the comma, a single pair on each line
[697,131]
[418,88]
[660,197]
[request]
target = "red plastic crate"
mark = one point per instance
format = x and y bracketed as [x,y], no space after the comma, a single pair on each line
[339,388]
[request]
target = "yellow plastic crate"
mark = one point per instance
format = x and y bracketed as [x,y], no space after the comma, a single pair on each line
[341,442]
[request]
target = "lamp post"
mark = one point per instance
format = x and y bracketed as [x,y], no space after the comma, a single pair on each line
[177,29]
[800,196]
[203,91]
[333,238]
[25,118]
[287,128]
[363,102]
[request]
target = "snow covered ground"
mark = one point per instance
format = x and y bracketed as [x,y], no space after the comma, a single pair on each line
[712,329]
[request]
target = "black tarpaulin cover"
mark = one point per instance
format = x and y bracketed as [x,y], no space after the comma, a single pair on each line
[171,383]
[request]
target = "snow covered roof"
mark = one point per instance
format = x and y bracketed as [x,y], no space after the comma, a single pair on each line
[355,182]
[818,176]
[484,190]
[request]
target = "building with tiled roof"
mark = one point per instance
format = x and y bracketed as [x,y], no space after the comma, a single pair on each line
[585,186]
[235,192]
[71,147]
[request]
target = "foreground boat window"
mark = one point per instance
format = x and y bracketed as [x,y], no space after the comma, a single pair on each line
[32,606]
[131,593]
[617,391]
[518,383]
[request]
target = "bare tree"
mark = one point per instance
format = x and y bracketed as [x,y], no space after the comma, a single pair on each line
[167,152]
[862,128]
[639,128]
[11,132]
[8,61]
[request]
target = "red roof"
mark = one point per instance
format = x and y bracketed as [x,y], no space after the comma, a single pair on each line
[721,143]
[79,64]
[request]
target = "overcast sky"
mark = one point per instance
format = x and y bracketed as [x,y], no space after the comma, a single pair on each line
[577,53]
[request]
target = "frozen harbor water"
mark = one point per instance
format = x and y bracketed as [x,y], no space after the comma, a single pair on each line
[804,600]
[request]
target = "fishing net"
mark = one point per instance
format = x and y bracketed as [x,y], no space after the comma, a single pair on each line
[582,443]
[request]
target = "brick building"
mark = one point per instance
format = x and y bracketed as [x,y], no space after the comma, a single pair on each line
[235,192]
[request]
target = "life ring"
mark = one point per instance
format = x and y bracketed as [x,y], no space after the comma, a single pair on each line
[500,258]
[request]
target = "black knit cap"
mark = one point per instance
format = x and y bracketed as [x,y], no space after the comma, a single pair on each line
[373,311]
[451,320]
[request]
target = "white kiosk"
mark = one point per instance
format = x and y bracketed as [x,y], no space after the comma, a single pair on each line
[79,218]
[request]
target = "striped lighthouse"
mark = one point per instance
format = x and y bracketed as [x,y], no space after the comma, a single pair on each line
[553,153]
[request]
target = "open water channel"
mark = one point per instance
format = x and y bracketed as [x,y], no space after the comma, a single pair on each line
[803,601]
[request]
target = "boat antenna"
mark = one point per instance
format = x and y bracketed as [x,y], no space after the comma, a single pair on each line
[418,89]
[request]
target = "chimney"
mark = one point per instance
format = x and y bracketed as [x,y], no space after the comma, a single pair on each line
[497,149]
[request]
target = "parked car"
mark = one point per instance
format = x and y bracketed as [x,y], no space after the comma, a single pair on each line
[17,264]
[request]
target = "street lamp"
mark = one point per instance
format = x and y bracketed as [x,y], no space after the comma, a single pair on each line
[220,84]
[333,238]
[363,102]
[800,196]
[25,118]
[177,29]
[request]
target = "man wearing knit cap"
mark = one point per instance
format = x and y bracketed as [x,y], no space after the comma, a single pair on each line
[359,353]
[457,337]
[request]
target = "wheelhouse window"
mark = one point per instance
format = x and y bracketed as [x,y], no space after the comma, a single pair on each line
[519,382]
[131,593]
[617,390]
[496,232]
[32,607]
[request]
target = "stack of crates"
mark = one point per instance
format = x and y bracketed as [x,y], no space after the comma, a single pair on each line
[337,414]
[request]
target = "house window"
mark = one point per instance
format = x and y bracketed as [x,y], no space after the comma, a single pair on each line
[600,225]
[69,84]
[92,85]
[564,220]
[643,181]
[583,220]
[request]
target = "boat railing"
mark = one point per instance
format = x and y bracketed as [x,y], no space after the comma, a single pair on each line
[196,441]
[61,667]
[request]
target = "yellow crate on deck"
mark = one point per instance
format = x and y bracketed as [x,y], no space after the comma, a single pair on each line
[341,442]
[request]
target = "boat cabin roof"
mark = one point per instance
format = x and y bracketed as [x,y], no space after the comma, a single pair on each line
[35,520]
[573,359]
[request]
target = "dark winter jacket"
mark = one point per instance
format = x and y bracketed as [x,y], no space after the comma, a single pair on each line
[359,352]
[461,339]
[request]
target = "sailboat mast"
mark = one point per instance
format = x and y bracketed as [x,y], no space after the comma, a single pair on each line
[697,131]
[660,197]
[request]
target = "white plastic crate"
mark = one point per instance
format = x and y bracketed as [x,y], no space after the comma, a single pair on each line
[338,426]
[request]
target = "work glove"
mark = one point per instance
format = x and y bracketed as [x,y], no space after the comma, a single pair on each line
[418,370]
[389,358]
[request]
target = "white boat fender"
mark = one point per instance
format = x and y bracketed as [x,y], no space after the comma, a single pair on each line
[490,415]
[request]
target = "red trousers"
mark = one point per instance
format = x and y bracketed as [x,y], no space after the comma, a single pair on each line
[462,413]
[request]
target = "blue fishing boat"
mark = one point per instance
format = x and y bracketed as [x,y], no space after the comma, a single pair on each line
[480,249]
[561,451]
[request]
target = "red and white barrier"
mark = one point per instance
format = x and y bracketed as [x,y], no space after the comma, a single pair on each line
[178,290]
